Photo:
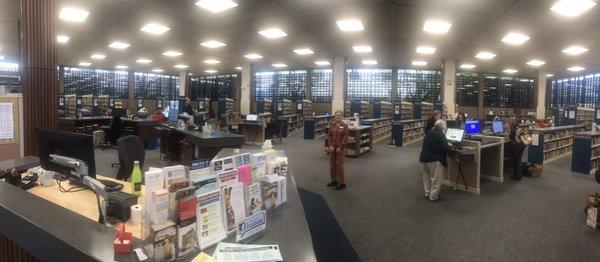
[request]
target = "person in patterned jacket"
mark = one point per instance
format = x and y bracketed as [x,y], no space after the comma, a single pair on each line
[338,137]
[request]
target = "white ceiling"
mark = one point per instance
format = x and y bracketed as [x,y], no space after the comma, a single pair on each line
[392,28]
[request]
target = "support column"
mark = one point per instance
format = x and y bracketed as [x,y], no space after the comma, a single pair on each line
[449,85]
[480,98]
[245,100]
[339,84]
[183,83]
[394,93]
[39,76]
[540,94]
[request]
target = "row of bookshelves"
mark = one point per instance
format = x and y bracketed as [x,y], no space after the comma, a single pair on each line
[552,143]
[225,107]
[290,124]
[586,152]
[360,141]
[284,107]
[381,127]
[405,132]
[304,107]
[315,127]
[383,109]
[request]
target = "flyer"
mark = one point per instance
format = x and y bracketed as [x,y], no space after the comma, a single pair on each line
[253,199]
[238,160]
[245,253]
[245,174]
[201,176]
[227,178]
[251,226]
[210,226]
[246,158]
[233,206]
[260,161]
[186,237]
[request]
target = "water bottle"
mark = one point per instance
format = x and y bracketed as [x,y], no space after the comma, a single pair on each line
[136,179]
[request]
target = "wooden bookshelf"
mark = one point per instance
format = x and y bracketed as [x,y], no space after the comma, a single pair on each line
[347,109]
[315,127]
[264,106]
[71,106]
[586,153]
[103,104]
[224,107]
[381,127]
[360,141]
[87,102]
[552,143]
[405,111]
[362,108]
[202,105]
[383,109]
[405,132]
[304,108]
[501,113]
[423,110]
[284,107]
[290,124]
[580,116]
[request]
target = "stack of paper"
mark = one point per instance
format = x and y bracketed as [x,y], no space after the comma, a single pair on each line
[242,253]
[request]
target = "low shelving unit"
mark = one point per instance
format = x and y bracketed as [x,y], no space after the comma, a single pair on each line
[290,124]
[360,141]
[264,106]
[315,127]
[580,116]
[552,143]
[423,110]
[405,132]
[383,109]
[586,153]
[304,108]
[381,127]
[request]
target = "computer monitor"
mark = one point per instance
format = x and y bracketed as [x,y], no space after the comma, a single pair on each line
[173,114]
[251,117]
[472,127]
[497,127]
[74,145]
[454,134]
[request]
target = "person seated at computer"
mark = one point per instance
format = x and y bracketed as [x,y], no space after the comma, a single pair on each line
[433,159]
[158,116]
[516,148]
[460,121]
[436,115]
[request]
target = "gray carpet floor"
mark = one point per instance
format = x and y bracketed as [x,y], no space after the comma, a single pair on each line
[386,218]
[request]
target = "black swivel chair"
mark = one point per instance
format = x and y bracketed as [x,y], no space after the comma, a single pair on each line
[130,149]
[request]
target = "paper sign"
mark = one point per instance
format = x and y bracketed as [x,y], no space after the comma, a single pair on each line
[299,106]
[592,218]
[251,225]
[397,110]
[535,139]
[598,114]
[572,114]
[7,128]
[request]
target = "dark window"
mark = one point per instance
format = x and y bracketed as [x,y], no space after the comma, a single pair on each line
[88,81]
[322,85]
[508,91]
[280,85]
[467,89]
[155,86]
[369,84]
[419,85]
[214,86]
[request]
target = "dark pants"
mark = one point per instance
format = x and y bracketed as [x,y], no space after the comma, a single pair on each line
[336,165]
[517,168]
[515,159]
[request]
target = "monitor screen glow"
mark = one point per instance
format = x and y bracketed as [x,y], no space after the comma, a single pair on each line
[472,127]
[497,127]
[454,134]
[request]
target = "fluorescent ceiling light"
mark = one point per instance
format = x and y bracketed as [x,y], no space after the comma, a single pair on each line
[1,57]
[436,26]
[190,74]
[510,71]
[216,6]
[253,56]
[536,62]
[85,64]
[575,50]
[369,62]
[238,68]
[180,66]
[211,61]
[362,49]
[213,44]
[121,67]
[210,71]
[515,38]
[272,33]
[304,51]
[576,68]
[350,25]
[426,49]
[73,14]
[98,56]
[118,45]
[419,63]
[155,29]
[322,63]
[549,75]
[572,8]
[486,55]
[157,70]
[144,61]
[279,65]
[63,39]
[172,53]
[467,66]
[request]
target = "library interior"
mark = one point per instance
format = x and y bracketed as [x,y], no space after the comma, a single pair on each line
[299,130]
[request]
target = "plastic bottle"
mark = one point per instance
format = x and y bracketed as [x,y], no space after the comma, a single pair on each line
[136,179]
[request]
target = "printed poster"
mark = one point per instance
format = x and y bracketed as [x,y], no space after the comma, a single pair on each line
[209,221]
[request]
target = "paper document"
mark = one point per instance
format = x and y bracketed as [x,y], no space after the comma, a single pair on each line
[246,253]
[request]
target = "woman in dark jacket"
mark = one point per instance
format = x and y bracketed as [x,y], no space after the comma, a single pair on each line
[433,159]
[517,146]
[436,115]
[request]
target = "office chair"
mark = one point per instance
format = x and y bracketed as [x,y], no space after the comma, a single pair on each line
[130,149]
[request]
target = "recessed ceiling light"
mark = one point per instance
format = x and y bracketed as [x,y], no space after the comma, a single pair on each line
[425,49]
[572,8]
[157,70]
[575,50]
[238,68]
[419,63]
[279,65]
[144,61]
[350,25]
[272,33]
[180,66]
[216,6]
[85,64]
[73,14]
[576,68]
[304,51]
[213,44]
[118,45]
[369,62]
[98,56]
[121,67]
[467,66]
[322,63]
[155,29]
[515,38]
[172,53]
[510,71]
[63,39]
[1,57]
[486,55]
[536,62]
[436,26]
[549,75]
[253,56]
[362,49]
[210,71]
[211,61]
[190,74]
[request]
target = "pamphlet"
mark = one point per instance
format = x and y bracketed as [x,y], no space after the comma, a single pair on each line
[245,174]
[227,178]
[173,172]
[246,253]
[251,226]
[237,160]
[210,219]
[201,177]
[274,191]
[260,161]
[253,199]
[233,206]
[186,237]
[246,158]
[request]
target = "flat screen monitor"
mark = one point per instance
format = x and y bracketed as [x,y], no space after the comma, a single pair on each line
[74,145]
[252,117]
[472,127]
[454,134]
[497,127]
[173,114]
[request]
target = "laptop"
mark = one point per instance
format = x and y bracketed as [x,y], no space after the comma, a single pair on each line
[497,127]
[252,118]
[455,136]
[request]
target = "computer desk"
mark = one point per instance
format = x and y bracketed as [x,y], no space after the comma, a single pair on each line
[479,160]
